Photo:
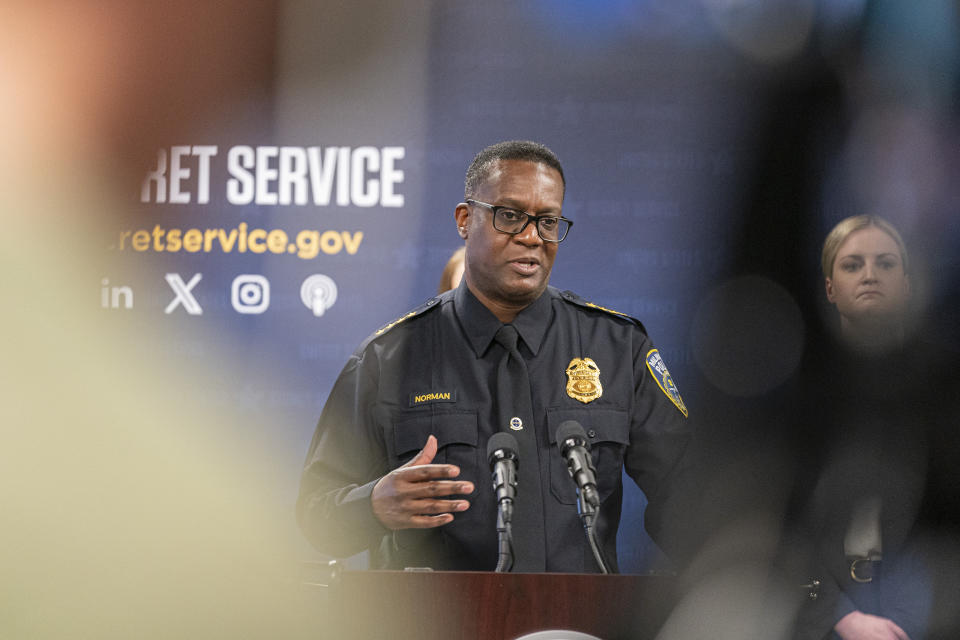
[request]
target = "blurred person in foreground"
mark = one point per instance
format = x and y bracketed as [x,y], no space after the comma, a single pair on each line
[130,506]
[876,418]
[398,464]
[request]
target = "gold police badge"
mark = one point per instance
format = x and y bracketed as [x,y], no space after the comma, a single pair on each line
[583,380]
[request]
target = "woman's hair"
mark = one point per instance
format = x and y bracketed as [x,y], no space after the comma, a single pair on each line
[446,278]
[842,231]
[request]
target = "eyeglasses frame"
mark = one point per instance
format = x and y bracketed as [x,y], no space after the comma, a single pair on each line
[530,218]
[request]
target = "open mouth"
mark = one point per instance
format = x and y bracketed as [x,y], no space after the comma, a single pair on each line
[525,265]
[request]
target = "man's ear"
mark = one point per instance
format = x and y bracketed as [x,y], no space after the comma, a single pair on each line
[829,288]
[462,218]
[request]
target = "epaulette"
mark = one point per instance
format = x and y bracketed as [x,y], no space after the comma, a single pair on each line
[573,298]
[432,303]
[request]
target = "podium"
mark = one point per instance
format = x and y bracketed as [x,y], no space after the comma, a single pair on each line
[474,605]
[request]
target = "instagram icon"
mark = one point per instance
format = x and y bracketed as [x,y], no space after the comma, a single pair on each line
[250,293]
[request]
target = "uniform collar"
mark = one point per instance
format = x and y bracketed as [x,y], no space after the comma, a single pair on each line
[481,325]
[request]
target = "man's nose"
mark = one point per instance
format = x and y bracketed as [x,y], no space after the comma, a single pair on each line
[529,236]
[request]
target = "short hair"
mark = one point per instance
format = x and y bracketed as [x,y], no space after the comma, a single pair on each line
[839,234]
[483,162]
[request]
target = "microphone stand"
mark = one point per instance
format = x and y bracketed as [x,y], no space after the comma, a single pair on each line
[502,456]
[504,536]
[572,442]
[588,517]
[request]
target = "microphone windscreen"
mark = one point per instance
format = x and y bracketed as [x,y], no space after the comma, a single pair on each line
[570,429]
[502,441]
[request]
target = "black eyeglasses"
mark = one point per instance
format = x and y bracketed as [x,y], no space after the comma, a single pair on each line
[514,221]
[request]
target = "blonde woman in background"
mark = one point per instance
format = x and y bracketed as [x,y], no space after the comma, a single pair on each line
[865,271]
[867,415]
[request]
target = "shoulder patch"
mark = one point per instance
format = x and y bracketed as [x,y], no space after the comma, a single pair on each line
[426,306]
[573,298]
[658,368]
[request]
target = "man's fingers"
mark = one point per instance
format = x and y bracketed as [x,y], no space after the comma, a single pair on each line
[429,522]
[435,507]
[438,488]
[426,455]
[426,472]
[414,496]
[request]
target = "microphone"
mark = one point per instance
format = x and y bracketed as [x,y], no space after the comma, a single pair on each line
[502,456]
[572,442]
[573,445]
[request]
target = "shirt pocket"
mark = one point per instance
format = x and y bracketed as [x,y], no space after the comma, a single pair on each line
[457,437]
[608,434]
[456,433]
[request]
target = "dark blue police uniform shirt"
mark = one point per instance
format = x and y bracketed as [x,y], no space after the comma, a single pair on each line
[434,371]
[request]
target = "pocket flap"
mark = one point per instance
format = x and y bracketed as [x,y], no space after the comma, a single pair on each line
[601,425]
[410,432]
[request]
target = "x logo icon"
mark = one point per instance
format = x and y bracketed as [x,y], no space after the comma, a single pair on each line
[183,295]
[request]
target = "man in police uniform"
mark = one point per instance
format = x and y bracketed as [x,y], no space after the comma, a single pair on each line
[398,462]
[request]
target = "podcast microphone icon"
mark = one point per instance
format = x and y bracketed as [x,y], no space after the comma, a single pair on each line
[318,293]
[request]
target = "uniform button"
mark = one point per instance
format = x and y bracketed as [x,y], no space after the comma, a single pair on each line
[431,302]
[592,433]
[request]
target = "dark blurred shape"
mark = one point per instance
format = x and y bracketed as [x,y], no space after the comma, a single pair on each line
[788,469]
[765,348]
